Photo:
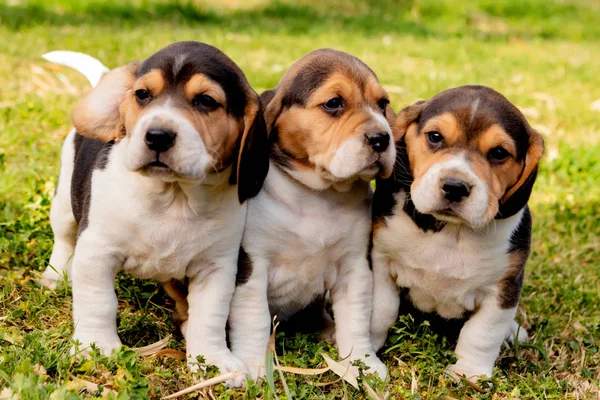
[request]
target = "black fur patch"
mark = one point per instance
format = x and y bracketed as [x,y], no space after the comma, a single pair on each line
[244,270]
[450,328]
[384,201]
[90,154]
[519,198]
[492,108]
[512,283]
[425,222]
[182,60]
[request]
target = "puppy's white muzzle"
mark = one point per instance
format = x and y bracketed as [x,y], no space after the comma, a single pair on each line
[165,145]
[451,191]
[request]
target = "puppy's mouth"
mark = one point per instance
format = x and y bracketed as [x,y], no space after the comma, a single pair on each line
[370,172]
[157,164]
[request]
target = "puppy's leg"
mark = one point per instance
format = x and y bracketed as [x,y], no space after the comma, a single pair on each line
[95,266]
[62,219]
[250,320]
[481,338]
[517,333]
[352,301]
[386,301]
[209,299]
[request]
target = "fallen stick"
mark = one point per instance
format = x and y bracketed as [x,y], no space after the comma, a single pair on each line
[204,384]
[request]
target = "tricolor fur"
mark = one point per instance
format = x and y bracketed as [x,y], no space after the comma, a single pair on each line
[451,225]
[153,181]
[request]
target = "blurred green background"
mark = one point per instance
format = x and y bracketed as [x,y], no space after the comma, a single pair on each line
[543,55]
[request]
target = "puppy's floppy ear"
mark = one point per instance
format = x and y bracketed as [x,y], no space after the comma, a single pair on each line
[272,103]
[253,157]
[100,115]
[407,117]
[517,196]
[266,97]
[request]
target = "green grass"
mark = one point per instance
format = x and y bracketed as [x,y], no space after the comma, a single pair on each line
[543,55]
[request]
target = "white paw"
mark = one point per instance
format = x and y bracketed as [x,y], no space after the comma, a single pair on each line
[50,278]
[470,371]
[183,328]
[105,344]
[375,366]
[518,333]
[226,364]
[255,371]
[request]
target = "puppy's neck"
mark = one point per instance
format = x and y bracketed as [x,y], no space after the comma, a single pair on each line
[286,189]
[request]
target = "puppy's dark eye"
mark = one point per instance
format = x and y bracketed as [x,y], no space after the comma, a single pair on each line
[142,95]
[498,154]
[382,105]
[434,137]
[205,101]
[335,104]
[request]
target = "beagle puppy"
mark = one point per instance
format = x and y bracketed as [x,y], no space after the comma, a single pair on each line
[153,181]
[452,229]
[308,230]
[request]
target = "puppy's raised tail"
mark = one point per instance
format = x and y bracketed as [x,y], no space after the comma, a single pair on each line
[90,67]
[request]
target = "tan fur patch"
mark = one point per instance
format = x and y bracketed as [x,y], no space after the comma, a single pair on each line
[313,135]
[420,155]
[510,284]
[219,131]
[202,84]
[153,81]
[100,114]
[448,126]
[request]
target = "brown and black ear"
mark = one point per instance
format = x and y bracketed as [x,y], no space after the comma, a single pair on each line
[100,115]
[253,158]
[266,97]
[272,101]
[518,195]
[390,116]
[407,117]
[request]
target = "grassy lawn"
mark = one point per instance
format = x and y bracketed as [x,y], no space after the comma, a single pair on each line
[543,55]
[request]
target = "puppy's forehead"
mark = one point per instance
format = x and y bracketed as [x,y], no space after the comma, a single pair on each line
[476,109]
[312,70]
[181,61]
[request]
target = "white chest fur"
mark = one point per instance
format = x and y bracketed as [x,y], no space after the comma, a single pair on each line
[304,235]
[163,231]
[447,271]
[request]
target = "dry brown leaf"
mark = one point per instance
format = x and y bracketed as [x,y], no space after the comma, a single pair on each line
[171,353]
[78,384]
[204,384]
[341,371]
[373,394]
[153,348]
[303,371]
[39,369]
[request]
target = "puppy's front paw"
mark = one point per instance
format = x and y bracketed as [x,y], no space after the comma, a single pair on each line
[517,333]
[374,364]
[50,278]
[105,343]
[256,371]
[376,367]
[226,364]
[470,371]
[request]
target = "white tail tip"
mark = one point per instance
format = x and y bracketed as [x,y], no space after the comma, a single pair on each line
[90,67]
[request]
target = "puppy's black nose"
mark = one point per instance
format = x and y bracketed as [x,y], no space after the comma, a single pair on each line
[378,141]
[160,140]
[455,189]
